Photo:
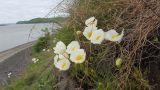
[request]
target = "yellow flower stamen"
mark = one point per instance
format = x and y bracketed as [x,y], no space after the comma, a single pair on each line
[89,34]
[98,37]
[114,36]
[63,65]
[79,57]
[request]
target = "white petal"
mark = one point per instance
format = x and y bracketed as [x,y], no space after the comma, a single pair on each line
[109,36]
[9,73]
[63,64]
[60,48]
[62,56]
[56,60]
[90,20]
[95,23]
[112,31]
[97,36]
[72,47]
[79,56]
[120,36]
[33,59]
[37,60]
[88,32]
[44,50]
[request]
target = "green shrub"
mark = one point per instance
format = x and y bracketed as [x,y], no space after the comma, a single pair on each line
[43,42]
[65,34]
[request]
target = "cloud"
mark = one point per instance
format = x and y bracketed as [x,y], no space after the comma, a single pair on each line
[12,11]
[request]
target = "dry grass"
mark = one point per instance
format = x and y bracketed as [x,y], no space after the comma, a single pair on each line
[141,21]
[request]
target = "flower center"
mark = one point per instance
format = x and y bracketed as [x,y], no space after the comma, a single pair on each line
[89,34]
[98,37]
[63,65]
[114,36]
[79,57]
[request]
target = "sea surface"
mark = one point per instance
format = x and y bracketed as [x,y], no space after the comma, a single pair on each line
[13,35]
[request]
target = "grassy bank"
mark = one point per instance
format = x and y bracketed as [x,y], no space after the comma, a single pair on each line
[138,49]
[41,75]
[31,78]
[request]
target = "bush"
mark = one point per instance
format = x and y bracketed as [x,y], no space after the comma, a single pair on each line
[42,43]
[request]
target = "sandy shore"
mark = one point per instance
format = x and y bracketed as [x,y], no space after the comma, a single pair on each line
[14,60]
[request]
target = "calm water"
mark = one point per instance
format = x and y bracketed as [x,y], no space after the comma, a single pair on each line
[17,34]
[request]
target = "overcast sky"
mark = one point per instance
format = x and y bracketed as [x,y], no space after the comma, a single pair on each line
[12,11]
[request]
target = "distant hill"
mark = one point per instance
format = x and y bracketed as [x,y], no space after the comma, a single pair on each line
[43,20]
[3,24]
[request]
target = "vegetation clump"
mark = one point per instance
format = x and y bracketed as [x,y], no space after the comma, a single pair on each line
[42,43]
[123,55]
[140,21]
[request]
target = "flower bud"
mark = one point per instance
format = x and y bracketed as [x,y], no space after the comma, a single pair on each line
[48,50]
[44,50]
[119,62]
[78,32]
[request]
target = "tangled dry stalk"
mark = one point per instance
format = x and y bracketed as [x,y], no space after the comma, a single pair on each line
[141,21]
[143,18]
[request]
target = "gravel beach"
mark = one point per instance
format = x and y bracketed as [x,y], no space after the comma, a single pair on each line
[14,61]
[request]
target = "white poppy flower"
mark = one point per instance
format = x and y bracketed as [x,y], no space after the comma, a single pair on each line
[79,56]
[33,59]
[91,22]
[72,47]
[97,36]
[60,48]
[61,64]
[88,31]
[112,35]
[37,60]
[44,50]
[9,74]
